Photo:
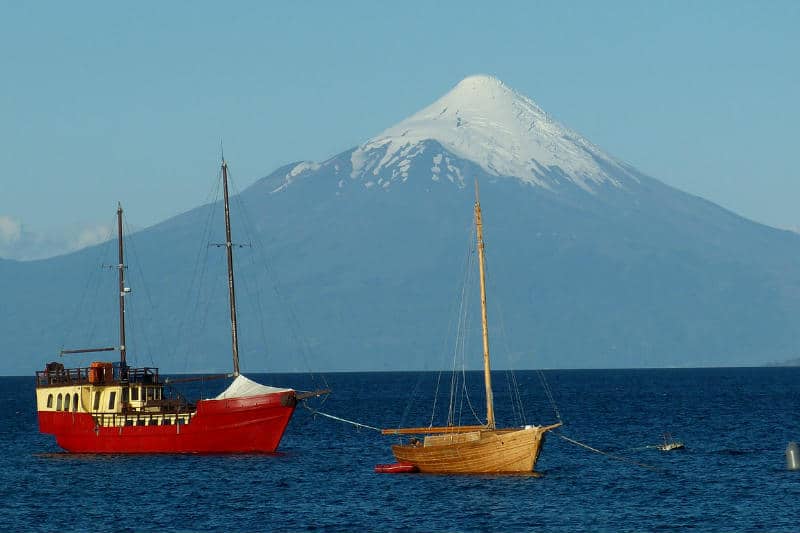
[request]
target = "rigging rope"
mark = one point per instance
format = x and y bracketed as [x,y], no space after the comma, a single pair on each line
[137,262]
[357,424]
[469,403]
[411,399]
[462,342]
[88,304]
[196,281]
[252,285]
[610,455]
[462,329]
[549,393]
[295,328]
[453,325]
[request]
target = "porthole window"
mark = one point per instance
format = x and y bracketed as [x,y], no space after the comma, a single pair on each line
[75,402]
[66,402]
[112,399]
[49,401]
[58,403]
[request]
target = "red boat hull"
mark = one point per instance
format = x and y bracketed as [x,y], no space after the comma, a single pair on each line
[252,424]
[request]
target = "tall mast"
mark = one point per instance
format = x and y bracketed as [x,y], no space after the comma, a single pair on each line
[123,365]
[231,290]
[487,373]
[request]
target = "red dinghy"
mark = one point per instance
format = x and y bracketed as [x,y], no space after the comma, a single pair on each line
[396,468]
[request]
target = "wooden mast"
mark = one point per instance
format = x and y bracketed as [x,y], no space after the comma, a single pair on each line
[123,365]
[487,373]
[231,290]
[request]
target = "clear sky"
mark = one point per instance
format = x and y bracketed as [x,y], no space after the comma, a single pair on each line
[107,101]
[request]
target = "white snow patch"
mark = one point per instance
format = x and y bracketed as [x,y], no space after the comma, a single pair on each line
[298,170]
[305,166]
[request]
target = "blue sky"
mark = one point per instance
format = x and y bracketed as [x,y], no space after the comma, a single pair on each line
[104,101]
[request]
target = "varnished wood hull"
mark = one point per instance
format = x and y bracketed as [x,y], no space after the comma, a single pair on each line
[501,451]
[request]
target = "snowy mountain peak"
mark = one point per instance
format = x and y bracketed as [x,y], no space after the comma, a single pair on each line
[484,121]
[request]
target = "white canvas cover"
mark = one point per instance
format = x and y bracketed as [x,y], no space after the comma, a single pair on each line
[243,387]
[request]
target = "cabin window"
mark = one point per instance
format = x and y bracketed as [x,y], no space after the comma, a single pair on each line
[149,393]
[96,401]
[158,394]
[75,402]
[66,402]
[135,394]
[112,399]
[58,403]
[125,395]
[49,401]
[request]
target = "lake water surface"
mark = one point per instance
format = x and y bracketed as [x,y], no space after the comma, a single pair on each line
[736,424]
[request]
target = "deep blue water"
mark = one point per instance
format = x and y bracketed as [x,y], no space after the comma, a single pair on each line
[736,424]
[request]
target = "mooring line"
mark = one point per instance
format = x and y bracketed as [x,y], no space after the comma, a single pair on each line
[612,456]
[357,424]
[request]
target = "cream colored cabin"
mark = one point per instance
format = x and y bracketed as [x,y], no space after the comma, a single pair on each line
[146,405]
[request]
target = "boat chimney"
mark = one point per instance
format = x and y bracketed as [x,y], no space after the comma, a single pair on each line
[792,456]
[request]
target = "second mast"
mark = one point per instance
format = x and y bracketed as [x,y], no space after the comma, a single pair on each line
[231,288]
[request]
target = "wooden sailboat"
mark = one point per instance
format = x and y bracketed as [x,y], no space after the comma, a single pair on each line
[473,449]
[114,408]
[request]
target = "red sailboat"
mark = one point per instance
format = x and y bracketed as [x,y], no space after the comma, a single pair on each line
[115,408]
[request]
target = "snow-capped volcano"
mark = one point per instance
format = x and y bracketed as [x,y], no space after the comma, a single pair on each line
[483,121]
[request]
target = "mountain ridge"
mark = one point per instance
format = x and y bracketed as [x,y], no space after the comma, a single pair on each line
[369,258]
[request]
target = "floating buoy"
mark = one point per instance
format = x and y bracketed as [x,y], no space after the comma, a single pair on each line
[792,456]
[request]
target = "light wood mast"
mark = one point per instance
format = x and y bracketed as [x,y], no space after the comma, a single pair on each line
[474,449]
[487,370]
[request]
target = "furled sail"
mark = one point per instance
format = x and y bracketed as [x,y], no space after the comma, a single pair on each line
[243,387]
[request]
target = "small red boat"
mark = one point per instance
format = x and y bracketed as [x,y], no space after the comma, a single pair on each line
[396,468]
[113,408]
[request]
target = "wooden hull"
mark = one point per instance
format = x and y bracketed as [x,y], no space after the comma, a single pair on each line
[501,451]
[240,425]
